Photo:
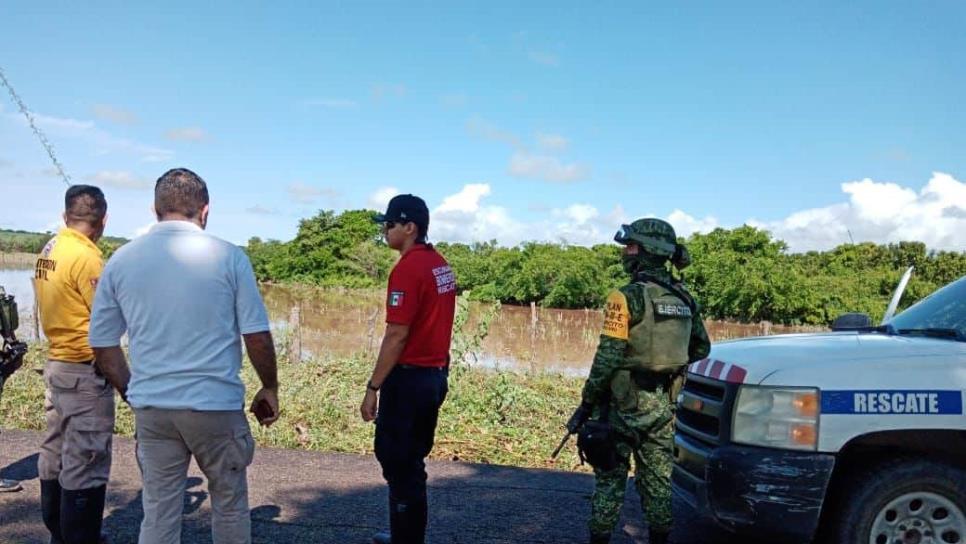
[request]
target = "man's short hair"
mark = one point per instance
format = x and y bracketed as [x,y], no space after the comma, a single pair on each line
[85,204]
[180,191]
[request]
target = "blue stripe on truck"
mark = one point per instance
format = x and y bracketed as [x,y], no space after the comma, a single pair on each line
[892,402]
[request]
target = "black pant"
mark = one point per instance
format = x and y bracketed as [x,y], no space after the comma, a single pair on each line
[409,404]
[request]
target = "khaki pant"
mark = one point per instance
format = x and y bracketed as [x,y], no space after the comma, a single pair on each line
[79,405]
[222,445]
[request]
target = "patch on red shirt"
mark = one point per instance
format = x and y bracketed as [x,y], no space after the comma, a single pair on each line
[396,298]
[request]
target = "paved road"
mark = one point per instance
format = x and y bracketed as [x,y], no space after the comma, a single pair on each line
[309,497]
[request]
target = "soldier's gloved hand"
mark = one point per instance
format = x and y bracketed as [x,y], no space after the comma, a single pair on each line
[581,414]
[12,359]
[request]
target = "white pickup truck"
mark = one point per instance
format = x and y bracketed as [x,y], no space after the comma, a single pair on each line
[851,436]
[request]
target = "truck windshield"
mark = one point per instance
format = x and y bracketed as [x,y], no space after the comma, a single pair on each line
[940,315]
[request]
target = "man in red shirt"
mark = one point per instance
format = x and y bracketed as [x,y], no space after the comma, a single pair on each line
[409,382]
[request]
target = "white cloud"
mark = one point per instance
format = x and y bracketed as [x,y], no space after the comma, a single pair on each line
[380,199]
[552,142]
[582,224]
[545,167]
[685,225]
[579,213]
[482,128]
[526,164]
[114,114]
[463,218]
[954,212]
[465,201]
[59,123]
[119,179]
[101,141]
[258,209]
[333,103]
[307,194]
[936,215]
[466,217]
[881,213]
[186,134]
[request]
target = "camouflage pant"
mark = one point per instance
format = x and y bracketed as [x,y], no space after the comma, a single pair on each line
[644,421]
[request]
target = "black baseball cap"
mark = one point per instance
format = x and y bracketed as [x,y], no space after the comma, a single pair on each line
[406,208]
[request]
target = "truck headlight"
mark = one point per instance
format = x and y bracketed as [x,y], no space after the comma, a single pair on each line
[776,417]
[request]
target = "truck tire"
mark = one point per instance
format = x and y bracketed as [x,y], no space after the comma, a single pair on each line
[904,502]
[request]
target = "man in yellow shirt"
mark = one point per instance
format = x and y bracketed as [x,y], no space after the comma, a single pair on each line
[75,458]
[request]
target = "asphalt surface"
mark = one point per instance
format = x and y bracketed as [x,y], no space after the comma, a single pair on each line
[301,497]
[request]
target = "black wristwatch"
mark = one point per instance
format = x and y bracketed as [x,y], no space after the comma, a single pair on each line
[371,387]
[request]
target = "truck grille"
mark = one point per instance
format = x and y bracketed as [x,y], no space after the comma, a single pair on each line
[703,422]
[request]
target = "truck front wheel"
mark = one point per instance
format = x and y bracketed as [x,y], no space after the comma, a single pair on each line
[905,502]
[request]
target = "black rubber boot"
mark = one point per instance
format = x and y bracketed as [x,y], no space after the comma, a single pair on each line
[407,522]
[415,521]
[50,508]
[81,512]
[599,539]
[657,537]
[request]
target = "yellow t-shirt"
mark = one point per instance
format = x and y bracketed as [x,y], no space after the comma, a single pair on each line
[64,280]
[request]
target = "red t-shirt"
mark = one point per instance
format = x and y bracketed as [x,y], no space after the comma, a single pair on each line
[422,294]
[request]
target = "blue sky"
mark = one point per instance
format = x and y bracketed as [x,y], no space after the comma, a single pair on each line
[544,120]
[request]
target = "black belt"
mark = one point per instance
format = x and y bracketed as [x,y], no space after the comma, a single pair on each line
[419,367]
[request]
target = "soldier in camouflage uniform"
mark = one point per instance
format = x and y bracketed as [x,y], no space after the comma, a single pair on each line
[12,352]
[652,329]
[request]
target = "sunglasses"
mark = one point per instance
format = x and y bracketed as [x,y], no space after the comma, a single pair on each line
[389,225]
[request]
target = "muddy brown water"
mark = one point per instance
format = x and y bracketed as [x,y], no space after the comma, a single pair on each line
[334,323]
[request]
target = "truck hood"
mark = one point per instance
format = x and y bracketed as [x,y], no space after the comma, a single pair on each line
[752,360]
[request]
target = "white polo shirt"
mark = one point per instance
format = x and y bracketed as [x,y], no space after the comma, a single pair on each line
[184,297]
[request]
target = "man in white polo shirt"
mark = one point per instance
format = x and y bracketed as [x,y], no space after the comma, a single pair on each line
[185,298]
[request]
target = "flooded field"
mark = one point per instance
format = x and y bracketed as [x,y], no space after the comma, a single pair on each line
[16,281]
[334,323]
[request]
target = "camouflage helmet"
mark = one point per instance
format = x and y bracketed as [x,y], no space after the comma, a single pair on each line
[681,258]
[655,236]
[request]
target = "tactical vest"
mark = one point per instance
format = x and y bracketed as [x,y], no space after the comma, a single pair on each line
[659,342]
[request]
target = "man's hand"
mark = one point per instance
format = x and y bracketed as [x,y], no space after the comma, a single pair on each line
[581,414]
[265,406]
[112,364]
[370,404]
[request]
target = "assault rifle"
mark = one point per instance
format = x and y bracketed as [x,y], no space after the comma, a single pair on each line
[576,421]
[11,350]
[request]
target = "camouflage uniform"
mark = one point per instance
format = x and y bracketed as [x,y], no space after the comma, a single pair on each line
[649,333]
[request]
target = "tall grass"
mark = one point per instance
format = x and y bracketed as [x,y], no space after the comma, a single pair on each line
[488,417]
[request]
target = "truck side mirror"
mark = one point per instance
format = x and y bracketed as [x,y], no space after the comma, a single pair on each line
[852,321]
